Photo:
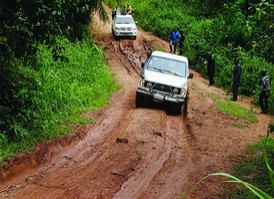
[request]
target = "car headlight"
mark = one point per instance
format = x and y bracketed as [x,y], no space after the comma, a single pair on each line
[175,90]
[183,90]
[149,84]
[143,82]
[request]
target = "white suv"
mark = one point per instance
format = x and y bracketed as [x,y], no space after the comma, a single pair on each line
[164,79]
[124,25]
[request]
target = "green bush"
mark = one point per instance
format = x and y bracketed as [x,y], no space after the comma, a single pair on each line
[60,91]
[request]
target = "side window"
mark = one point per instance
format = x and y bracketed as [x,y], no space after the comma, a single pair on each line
[182,69]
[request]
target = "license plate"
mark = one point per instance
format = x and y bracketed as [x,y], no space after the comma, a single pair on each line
[158,97]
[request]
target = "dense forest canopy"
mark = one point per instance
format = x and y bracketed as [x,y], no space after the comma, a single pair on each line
[26,22]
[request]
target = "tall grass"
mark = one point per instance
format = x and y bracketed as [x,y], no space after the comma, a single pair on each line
[237,110]
[64,90]
[254,190]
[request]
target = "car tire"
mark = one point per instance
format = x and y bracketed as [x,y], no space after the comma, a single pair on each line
[184,107]
[178,109]
[138,100]
[174,109]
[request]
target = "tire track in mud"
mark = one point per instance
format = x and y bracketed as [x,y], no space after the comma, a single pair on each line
[158,169]
[86,160]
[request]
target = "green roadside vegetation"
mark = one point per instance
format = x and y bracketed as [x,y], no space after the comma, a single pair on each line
[51,72]
[63,90]
[255,170]
[228,29]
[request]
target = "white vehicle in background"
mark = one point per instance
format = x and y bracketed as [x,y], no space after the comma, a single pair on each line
[124,26]
[164,79]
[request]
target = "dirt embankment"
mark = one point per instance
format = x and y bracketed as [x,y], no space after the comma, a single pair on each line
[136,153]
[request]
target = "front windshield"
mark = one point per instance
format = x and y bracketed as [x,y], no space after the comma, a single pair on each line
[124,20]
[168,66]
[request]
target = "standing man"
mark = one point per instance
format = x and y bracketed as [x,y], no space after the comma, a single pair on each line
[114,12]
[181,43]
[174,36]
[211,68]
[237,72]
[128,9]
[263,99]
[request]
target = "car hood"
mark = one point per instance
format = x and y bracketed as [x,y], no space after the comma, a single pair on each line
[125,25]
[166,79]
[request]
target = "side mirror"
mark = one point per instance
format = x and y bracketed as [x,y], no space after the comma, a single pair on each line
[190,75]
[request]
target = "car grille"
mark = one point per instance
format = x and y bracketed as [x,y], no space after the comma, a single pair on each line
[161,88]
[126,29]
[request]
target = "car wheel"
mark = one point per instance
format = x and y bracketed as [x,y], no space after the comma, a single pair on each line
[174,109]
[184,107]
[178,109]
[138,100]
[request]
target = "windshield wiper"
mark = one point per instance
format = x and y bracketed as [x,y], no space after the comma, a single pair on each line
[155,68]
[171,72]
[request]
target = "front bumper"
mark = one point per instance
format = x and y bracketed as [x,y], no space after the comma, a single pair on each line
[125,33]
[161,97]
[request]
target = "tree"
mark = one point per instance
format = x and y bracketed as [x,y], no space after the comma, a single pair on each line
[25,24]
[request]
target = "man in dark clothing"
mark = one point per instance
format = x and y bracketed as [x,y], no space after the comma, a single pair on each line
[174,36]
[115,12]
[149,52]
[265,93]
[181,43]
[236,79]
[210,68]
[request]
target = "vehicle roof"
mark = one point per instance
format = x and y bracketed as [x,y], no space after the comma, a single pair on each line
[169,56]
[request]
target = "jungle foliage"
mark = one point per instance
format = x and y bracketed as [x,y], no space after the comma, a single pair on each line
[50,71]
[242,29]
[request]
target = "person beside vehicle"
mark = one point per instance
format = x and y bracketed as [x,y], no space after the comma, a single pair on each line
[128,9]
[210,68]
[265,92]
[237,72]
[114,12]
[181,43]
[174,37]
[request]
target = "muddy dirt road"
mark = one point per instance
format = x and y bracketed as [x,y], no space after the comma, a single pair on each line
[136,153]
